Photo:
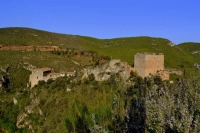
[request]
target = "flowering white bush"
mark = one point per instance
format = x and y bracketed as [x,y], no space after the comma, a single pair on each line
[174,108]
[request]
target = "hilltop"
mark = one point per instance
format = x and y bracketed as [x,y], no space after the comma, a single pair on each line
[122,48]
[191,48]
[32,37]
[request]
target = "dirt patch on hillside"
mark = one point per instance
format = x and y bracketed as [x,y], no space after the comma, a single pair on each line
[29,48]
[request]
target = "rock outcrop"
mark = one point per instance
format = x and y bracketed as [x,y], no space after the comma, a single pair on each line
[105,71]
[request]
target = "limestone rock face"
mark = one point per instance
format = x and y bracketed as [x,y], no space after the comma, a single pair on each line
[21,123]
[171,44]
[15,101]
[32,108]
[1,81]
[105,71]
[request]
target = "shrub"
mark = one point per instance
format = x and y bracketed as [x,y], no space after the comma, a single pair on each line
[157,80]
[49,81]
[91,77]
[41,83]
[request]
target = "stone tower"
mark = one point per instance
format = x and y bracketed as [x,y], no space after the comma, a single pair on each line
[148,63]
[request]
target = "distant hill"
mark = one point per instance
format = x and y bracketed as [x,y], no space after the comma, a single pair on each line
[122,48]
[126,48]
[28,36]
[191,48]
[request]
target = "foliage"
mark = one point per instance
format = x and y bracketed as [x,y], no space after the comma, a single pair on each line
[8,118]
[133,74]
[108,106]
[157,80]
[126,48]
[80,111]
[49,81]
[123,48]
[28,36]
[68,104]
[174,108]
[37,58]
[191,48]
[18,76]
[41,82]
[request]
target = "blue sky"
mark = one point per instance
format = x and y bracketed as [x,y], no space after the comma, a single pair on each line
[176,20]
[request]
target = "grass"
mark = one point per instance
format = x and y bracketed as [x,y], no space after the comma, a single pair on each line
[38,59]
[84,100]
[191,48]
[28,36]
[58,105]
[17,62]
[122,48]
[126,48]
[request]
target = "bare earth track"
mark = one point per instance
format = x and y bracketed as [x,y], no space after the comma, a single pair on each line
[29,48]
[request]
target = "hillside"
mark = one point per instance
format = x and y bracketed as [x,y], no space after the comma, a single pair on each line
[126,48]
[28,36]
[191,48]
[122,48]
[88,106]
[76,104]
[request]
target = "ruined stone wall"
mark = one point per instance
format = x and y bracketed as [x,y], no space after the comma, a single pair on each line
[153,63]
[164,75]
[139,64]
[38,75]
[146,64]
[35,77]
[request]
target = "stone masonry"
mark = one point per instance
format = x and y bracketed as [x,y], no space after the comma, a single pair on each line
[146,64]
[45,74]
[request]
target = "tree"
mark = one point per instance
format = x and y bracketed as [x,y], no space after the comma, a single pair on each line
[41,82]
[49,81]
[91,77]
[157,80]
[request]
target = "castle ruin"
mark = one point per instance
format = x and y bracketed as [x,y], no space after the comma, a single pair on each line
[45,74]
[146,64]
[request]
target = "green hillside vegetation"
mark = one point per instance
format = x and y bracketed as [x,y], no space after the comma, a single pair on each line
[112,106]
[126,48]
[27,36]
[15,64]
[122,48]
[191,48]
[82,105]
[38,59]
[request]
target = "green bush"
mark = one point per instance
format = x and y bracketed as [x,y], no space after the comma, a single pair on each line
[157,80]
[41,82]
[49,81]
